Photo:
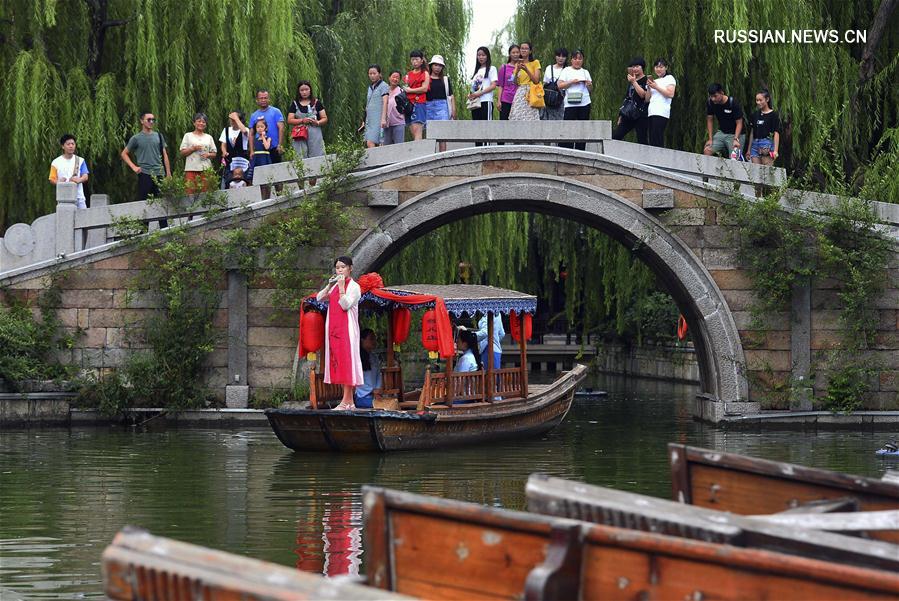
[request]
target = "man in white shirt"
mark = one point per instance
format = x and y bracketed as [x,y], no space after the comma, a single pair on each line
[68,167]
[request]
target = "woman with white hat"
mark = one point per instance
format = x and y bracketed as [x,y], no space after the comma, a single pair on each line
[440,105]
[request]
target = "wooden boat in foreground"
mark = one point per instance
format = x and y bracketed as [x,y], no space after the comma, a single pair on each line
[441,549]
[451,408]
[139,566]
[749,485]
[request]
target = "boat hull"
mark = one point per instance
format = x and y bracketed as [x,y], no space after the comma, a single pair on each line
[379,430]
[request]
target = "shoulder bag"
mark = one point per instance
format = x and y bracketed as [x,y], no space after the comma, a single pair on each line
[552,95]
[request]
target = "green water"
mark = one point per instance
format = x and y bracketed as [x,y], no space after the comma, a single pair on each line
[65,493]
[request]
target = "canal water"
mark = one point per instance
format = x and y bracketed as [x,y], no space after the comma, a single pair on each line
[65,493]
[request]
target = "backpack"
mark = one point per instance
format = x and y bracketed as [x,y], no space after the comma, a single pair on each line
[404,106]
[552,95]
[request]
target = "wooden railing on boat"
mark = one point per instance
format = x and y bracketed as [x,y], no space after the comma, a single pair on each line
[563,498]
[138,566]
[442,549]
[749,485]
[470,387]
[321,393]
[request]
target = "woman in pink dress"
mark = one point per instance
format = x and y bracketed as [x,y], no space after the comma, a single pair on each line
[343,362]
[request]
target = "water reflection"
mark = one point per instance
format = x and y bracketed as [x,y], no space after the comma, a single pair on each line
[64,494]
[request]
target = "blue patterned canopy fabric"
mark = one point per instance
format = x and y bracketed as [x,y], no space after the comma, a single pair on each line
[459,298]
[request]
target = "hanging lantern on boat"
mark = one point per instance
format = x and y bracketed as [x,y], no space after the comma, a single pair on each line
[312,333]
[429,337]
[515,323]
[400,320]
[681,328]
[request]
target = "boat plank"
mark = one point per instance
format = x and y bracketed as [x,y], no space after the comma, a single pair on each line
[461,555]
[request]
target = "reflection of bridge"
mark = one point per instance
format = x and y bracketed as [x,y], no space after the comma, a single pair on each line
[662,203]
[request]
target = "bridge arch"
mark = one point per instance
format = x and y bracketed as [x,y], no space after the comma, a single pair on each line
[718,347]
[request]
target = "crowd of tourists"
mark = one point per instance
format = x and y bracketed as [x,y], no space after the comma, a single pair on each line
[402,107]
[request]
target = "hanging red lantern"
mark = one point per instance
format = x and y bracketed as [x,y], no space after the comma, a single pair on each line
[429,335]
[515,326]
[312,333]
[400,320]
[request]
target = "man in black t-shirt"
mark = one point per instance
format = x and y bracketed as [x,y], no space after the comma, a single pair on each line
[633,112]
[729,136]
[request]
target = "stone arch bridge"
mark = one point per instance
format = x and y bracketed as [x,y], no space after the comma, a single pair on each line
[666,205]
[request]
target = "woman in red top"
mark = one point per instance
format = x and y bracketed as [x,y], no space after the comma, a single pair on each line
[416,85]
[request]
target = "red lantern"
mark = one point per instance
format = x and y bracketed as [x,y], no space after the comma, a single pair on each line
[516,326]
[312,333]
[400,320]
[429,333]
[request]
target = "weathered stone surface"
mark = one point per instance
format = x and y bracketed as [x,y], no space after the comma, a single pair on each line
[237,397]
[271,337]
[659,199]
[19,239]
[383,198]
[731,279]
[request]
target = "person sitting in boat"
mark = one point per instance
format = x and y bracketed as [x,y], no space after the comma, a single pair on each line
[466,344]
[343,361]
[371,370]
[498,333]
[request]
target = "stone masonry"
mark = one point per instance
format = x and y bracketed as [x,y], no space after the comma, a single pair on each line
[676,224]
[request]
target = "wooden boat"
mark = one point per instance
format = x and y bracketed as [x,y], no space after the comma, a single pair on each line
[138,566]
[748,485]
[451,408]
[792,532]
[442,549]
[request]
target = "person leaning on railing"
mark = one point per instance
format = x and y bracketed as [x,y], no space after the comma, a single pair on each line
[69,167]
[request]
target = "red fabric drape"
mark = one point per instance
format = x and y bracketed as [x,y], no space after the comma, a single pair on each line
[445,345]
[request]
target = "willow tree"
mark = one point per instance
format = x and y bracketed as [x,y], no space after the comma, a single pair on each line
[577,272]
[90,66]
[846,89]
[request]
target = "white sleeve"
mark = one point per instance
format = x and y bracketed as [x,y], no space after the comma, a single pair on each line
[184,141]
[492,76]
[351,297]
[224,136]
[546,74]
[324,292]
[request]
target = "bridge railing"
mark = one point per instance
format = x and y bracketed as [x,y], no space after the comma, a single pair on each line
[69,230]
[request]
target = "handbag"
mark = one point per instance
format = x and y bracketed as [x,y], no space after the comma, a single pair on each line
[536,95]
[552,95]
[300,132]
[629,110]
[575,97]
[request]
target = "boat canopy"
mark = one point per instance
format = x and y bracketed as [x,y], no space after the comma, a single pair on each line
[459,299]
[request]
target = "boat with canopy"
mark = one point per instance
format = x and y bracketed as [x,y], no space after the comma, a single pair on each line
[451,408]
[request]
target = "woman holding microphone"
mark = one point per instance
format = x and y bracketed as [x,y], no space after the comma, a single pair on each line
[343,361]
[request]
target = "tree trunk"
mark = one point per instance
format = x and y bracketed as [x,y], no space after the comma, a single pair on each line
[875,34]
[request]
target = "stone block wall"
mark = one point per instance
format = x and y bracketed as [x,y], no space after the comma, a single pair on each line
[95,296]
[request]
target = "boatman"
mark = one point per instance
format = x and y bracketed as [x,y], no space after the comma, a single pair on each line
[498,333]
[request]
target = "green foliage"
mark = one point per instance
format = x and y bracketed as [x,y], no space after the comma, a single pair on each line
[776,247]
[175,58]
[848,384]
[29,342]
[582,275]
[805,80]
